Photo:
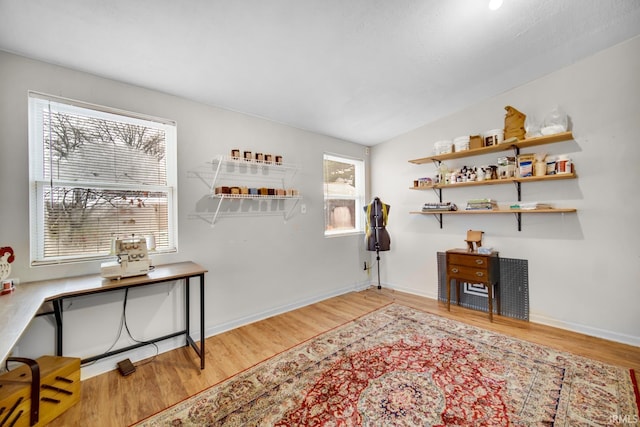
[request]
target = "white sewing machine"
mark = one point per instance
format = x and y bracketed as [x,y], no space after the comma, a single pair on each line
[133,259]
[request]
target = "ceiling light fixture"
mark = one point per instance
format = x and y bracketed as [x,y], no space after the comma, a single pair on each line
[495,4]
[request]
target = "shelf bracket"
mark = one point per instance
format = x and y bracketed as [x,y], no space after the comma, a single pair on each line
[438,218]
[518,189]
[291,179]
[516,153]
[519,219]
[196,174]
[215,177]
[215,216]
[438,192]
[288,214]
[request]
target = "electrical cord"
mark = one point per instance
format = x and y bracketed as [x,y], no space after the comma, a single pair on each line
[123,324]
[126,326]
[115,341]
[371,265]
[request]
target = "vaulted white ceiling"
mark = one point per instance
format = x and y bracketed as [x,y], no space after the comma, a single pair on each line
[360,70]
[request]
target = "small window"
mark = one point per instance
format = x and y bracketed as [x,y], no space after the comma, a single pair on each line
[97,174]
[343,195]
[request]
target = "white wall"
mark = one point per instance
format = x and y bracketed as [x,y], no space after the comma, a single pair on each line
[258,266]
[584,268]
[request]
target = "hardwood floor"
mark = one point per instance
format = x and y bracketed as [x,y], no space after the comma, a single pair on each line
[112,400]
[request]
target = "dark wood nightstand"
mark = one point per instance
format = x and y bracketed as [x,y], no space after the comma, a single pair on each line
[472,267]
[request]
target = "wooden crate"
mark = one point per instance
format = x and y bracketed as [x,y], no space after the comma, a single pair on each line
[59,390]
[476,141]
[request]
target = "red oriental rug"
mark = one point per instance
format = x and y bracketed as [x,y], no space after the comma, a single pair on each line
[402,367]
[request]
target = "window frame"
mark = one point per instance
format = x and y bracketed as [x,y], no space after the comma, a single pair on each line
[359,197]
[38,181]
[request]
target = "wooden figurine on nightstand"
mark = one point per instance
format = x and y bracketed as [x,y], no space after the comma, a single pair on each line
[474,236]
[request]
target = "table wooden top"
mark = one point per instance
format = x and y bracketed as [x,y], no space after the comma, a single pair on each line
[18,308]
[462,251]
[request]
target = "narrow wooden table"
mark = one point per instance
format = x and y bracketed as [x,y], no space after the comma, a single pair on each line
[21,306]
[472,267]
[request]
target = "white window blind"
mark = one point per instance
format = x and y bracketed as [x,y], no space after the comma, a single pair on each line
[344,190]
[97,174]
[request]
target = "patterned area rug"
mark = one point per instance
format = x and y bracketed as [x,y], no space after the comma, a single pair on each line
[401,367]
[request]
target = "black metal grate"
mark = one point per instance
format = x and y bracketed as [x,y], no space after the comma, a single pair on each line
[513,289]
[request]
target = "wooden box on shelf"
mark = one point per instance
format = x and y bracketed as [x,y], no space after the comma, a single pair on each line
[475,141]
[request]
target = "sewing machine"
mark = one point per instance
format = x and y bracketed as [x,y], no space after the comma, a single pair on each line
[133,259]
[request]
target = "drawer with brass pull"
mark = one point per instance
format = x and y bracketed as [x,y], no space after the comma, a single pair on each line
[468,273]
[470,260]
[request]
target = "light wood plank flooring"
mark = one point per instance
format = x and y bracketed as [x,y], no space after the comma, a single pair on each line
[112,400]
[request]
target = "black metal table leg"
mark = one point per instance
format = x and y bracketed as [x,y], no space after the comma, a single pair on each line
[187,300]
[187,297]
[202,321]
[57,311]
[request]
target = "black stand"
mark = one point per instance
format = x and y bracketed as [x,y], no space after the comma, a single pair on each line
[377,244]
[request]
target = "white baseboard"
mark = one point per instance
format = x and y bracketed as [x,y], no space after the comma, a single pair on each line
[586,330]
[236,323]
[406,290]
[548,321]
[109,364]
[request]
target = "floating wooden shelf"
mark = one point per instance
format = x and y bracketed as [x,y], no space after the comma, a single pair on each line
[497,211]
[500,181]
[517,212]
[530,142]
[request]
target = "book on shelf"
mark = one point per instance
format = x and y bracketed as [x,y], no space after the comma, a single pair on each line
[481,204]
[530,205]
[439,207]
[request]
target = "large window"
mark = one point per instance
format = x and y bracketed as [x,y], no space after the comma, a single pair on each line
[97,174]
[343,195]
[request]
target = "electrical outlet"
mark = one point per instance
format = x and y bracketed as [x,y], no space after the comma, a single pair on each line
[303,208]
